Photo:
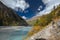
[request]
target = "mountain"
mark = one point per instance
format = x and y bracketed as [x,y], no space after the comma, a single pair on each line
[50,32]
[9,17]
[45,19]
[46,26]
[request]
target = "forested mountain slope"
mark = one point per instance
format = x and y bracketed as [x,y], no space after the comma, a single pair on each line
[9,17]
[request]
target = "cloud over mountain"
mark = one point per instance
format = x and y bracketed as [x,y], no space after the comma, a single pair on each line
[16,4]
[49,6]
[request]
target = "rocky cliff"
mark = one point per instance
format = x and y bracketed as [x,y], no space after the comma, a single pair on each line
[51,32]
[46,27]
[9,17]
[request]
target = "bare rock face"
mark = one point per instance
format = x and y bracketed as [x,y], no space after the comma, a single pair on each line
[51,32]
[8,17]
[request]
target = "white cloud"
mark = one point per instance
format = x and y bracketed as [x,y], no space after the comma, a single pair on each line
[40,7]
[46,1]
[24,17]
[22,4]
[49,7]
[46,11]
[16,3]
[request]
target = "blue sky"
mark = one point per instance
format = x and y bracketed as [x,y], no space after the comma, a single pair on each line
[30,8]
[33,8]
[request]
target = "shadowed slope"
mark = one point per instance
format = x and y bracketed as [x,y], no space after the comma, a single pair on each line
[8,17]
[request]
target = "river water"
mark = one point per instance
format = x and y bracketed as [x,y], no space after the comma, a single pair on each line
[18,34]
